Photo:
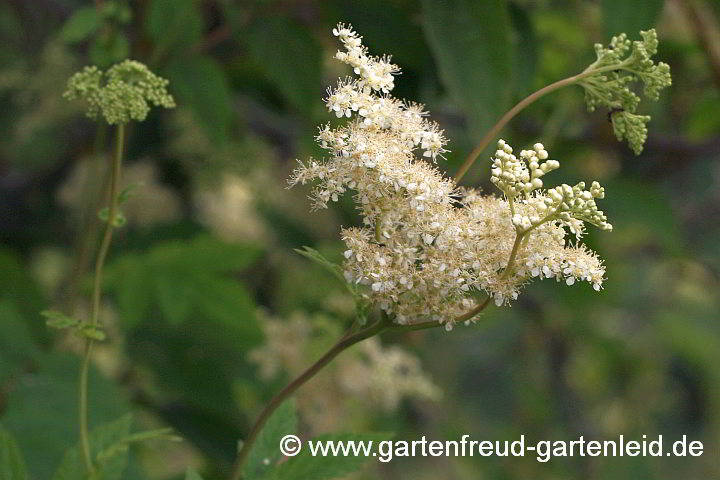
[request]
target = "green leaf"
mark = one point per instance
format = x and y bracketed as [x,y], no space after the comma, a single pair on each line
[525,49]
[228,303]
[470,41]
[361,304]
[206,253]
[127,193]
[186,278]
[290,57]
[59,320]
[200,83]
[116,11]
[173,298]
[17,345]
[110,467]
[305,466]
[16,283]
[12,465]
[41,410]
[81,25]
[134,296]
[62,321]
[191,474]
[121,446]
[317,257]
[174,24]
[622,16]
[108,49]
[92,331]
[265,453]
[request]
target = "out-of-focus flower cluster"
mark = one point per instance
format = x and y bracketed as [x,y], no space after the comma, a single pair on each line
[123,93]
[381,376]
[427,248]
[619,65]
[150,203]
[228,210]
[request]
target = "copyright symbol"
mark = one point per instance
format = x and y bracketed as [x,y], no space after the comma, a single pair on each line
[290,445]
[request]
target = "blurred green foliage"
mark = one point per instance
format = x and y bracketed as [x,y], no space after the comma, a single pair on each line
[183,285]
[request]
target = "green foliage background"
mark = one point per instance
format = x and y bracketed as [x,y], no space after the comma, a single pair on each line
[640,358]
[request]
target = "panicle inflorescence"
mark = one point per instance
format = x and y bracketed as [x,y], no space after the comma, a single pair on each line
[426,247]
[123,93]
[618,66]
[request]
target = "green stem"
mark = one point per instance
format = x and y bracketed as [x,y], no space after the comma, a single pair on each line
[513,253]
[495,130]
[96,295]
[344,343]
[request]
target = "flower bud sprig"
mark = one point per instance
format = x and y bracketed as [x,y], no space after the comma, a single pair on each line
[515,175]
[521,176]
[123,93]
[617,67]
[566,203]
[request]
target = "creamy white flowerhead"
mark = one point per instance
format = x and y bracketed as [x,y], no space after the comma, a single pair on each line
[428,248]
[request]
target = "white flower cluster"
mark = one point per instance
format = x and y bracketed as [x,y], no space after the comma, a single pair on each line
[428,248]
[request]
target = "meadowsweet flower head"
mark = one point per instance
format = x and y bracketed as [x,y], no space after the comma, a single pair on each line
[427,248]
[124,92]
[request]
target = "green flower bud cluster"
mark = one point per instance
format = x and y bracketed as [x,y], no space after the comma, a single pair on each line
[123,93]
[608,80]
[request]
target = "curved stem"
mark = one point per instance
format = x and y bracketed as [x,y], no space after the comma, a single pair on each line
[96,294]
[495,130]
[350,339]
[280,397]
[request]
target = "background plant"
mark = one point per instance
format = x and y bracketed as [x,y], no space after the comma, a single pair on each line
[640,359]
